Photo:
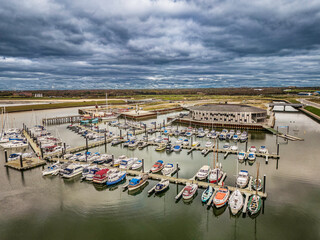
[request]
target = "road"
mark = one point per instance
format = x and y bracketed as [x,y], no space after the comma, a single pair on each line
[309,103]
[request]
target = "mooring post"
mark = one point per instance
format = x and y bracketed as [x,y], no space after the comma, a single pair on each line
[264,183]
[112,160]
[145,129]
[134,131]
[246,146]
[120,134]
[277,135]
[105,138]
[191,141]
[6,156]
[21,163]
[278,149]
[142,165]
[87,143]
[127,135]
[41,152]
[177,170]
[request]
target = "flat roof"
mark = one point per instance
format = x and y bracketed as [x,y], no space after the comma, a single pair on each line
[226,108]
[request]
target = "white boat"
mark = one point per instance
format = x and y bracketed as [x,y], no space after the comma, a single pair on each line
[201,134]
[209,145]
[88,172]
[226,146]
[116,176]
[116,162]
[179,141]
[186,142]
[234,148]
[136,165]
[252,149]
[263,149]
[241,156]
[168,169]
[206,195]
[52,169]
[127,163]
[243,178]
[72,170]
[251,157]
[14,144]
[215,175]
[203,172]
[189,191]
[161,186]
[158,139]
[177,148]
[236,202]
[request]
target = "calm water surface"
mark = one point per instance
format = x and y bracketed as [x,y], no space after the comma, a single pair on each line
[34,207]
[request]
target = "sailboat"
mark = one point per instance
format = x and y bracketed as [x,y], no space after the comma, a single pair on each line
[255,202]
[236,200]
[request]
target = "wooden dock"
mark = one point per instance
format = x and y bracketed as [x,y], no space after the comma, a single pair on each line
[32,144]
[61,120]
[27,163]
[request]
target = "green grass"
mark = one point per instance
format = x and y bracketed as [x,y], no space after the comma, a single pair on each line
[58,105]
[313,110]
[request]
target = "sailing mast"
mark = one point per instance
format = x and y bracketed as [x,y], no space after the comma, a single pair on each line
[258,164]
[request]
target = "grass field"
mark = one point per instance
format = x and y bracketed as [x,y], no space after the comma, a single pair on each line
[58,105]
[313,110]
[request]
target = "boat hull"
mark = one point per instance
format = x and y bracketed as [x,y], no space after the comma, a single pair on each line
[116,181]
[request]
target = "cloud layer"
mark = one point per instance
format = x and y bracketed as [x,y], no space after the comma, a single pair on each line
[56,44]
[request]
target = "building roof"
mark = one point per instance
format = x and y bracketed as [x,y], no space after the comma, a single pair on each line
[226,108]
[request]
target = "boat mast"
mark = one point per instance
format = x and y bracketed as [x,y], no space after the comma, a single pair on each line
[106,102]
[258,164]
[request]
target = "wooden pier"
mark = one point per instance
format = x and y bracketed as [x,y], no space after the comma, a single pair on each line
[25,164]
[61,120]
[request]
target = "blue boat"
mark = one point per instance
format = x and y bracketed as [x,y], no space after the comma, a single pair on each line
[177,148]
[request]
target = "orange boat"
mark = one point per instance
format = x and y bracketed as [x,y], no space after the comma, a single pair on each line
[221,197]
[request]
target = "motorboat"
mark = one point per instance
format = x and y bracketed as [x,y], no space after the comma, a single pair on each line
[252,149]
[52,169]
[195,144]
[241,156]
[161,147]
[137,182]
[203,172]
[116,162]
[201,134]
[236,202]
[214,135]
[14,144]
[179,141]
[133,144]
[208,145]
[189,191]
[127,163]
[188,134]
[136,165]
[72,170]
[168,169]
[254,204]
[263,149]
[209,135]
[89,172]
[16,156]
[101,176]
[221,197]
[243,178]
[251,157]
[229,135]
[116,176]
[243,137]
[235,137]
[215,175]
[158,139]
[234,148]
[157,167]
[206,195]
[226,146]
[177,148]
[185,142]
[257,184]
[162,186]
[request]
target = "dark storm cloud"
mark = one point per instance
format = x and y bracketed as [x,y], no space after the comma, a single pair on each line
[158,44]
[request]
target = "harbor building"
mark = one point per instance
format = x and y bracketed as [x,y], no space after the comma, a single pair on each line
[228,113]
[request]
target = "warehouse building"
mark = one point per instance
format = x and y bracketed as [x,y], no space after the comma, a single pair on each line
[228,113]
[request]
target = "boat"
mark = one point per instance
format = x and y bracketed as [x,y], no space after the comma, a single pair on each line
[236,202]
[188,134]
[14,156]
[243,178]
[241,156]
[52,169]
[127,163]
[137,182]
[263,149]
[158,139]
[136,165]
[243,137]
[179,141]
[116,162]
[162,186]
[214,135]
[257,184]
[221,197]
[72,170]
[201,134]
[235,137]
[203,172]
[252,149]
[14,144]
[195,144]
[168,169]
[89,172]
[254,204]
[208,145]
[169,148]
[116,176]
[189,191]
[101,176]
[215,175]
[133,144]
[251,157]
[234,148]
[186,142]
[158,166]
[226,146]
[161,147]
[177,148]
[206,195]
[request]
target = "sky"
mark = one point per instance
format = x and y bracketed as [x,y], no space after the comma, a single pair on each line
[118,44]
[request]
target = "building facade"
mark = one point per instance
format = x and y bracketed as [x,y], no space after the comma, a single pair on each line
[228,113]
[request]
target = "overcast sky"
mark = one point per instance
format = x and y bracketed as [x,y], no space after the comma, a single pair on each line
[79,44]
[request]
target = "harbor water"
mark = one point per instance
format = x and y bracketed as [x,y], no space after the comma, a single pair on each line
[36,207]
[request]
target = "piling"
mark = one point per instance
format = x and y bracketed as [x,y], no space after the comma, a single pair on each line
[264,183]
[87,144]
[246,146]
[278,149]
[177,170]
[127,135]
[21,163]
[120,134]
[65,148]
[112,160]
[6,156]
[142,165]
[41,152]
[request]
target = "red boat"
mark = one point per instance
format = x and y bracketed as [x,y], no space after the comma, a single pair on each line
[158,166]
[189,191]
[101,176]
